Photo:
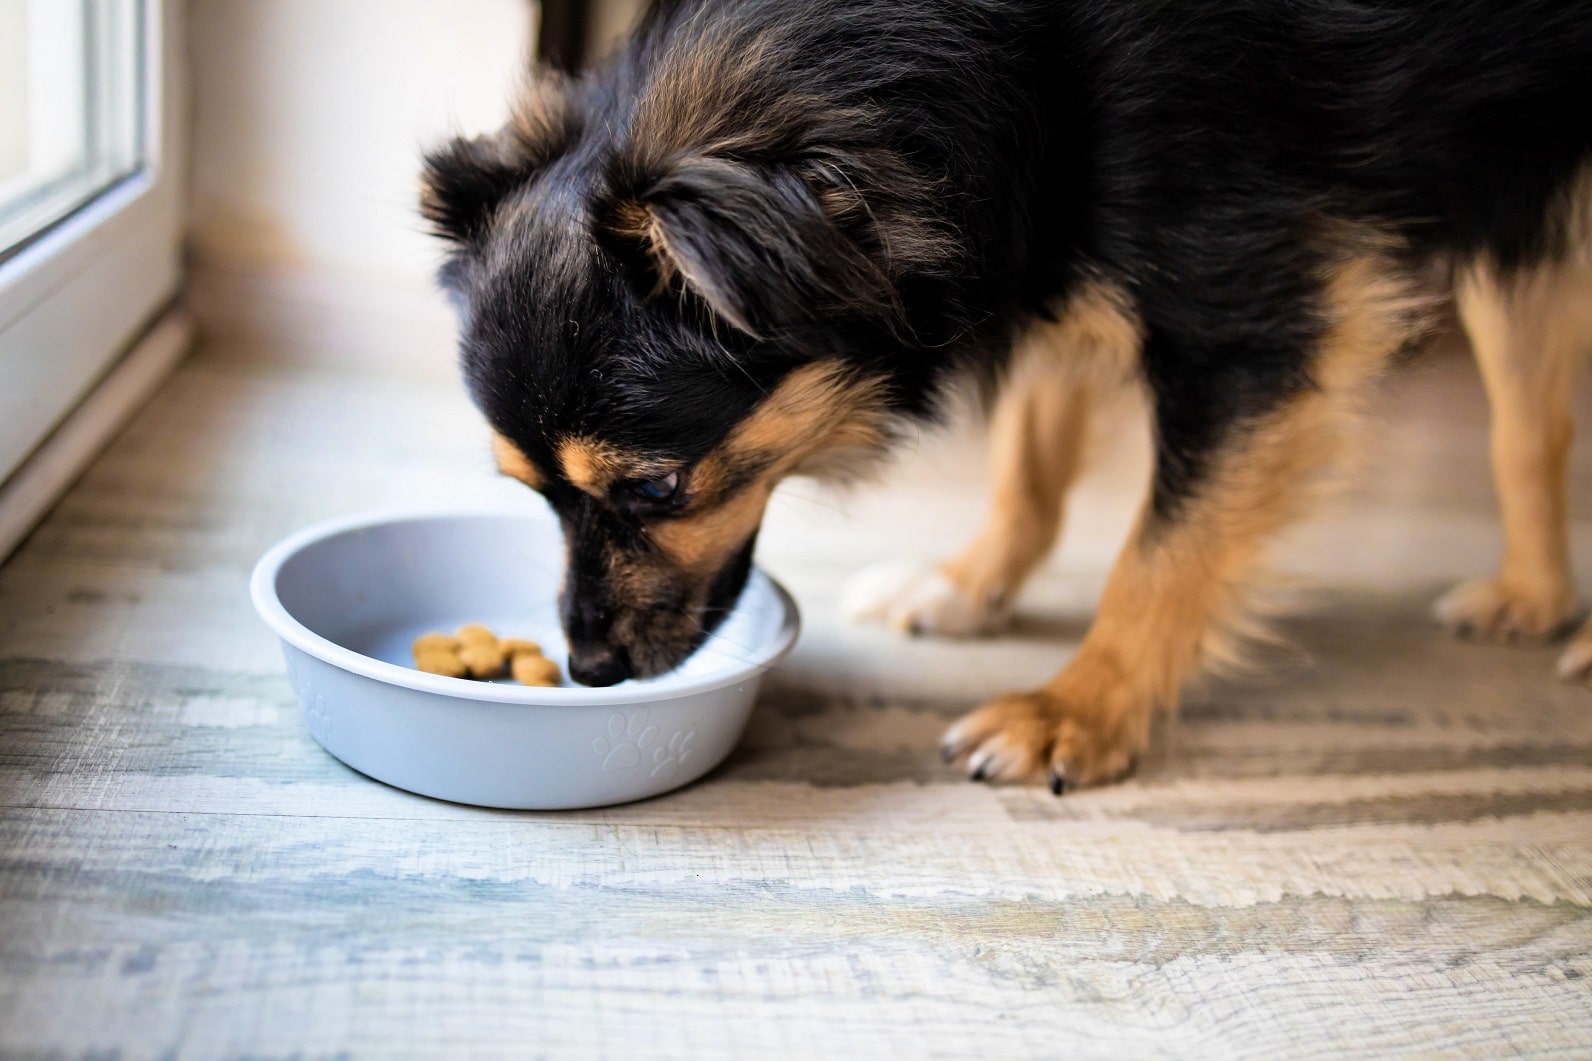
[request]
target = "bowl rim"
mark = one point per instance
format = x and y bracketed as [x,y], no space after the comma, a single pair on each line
[262,590]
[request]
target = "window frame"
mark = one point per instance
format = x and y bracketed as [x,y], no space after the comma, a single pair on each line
[78,295]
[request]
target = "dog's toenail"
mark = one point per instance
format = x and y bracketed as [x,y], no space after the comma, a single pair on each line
[980,772]
[947,753]
[1058,784]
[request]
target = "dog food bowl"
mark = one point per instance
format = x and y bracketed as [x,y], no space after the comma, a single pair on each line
[349,597]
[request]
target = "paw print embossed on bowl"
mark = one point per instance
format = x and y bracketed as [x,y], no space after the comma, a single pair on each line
[627,738]
[322,727]
[670,758]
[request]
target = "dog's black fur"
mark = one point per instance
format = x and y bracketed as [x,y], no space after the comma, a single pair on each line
[903,184]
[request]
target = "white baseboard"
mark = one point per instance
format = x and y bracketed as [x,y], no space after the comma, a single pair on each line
[33,489]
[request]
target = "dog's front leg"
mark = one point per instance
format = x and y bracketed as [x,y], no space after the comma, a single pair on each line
[1526,332]
[1172,599]
[1036,444]
[1172,595]
[1058,373]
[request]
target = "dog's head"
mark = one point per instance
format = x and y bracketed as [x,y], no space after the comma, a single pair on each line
[657,332]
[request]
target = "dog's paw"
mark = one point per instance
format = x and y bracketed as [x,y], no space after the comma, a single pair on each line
[1053,735]
[1576,663]
[918,600]
[1489,609]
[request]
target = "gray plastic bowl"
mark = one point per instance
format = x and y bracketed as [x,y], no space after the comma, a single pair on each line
[349,597]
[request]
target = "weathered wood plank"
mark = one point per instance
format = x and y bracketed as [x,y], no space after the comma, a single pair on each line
[590,923]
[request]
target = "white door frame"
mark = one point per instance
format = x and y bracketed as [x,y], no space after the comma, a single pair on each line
[78,297]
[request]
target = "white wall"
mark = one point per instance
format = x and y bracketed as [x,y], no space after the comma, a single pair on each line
[310,116]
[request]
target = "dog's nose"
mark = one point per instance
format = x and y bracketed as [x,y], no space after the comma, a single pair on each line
[599,664]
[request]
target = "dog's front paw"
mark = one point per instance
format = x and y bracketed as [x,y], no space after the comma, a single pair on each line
[1491,609]
[1072,733]
[1576,663]
[920,600]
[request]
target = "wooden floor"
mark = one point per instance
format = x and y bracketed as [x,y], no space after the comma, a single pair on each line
[1382,849]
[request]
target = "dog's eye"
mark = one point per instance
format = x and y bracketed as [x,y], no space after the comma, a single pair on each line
[664,488]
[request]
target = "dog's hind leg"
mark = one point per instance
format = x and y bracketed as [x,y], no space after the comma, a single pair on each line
[1526,330]
[1177,589]
[1037,435]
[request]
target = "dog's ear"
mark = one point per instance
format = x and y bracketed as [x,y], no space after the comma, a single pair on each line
[755,242]
[462,184]
[464,181]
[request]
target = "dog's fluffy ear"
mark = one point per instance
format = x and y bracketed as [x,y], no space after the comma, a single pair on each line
[464,181]
[462,184]
[755,243]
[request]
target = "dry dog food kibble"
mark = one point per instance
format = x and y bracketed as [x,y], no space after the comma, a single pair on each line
[434,643]
[476,652]
[535,669]
[446,663]
[483,659]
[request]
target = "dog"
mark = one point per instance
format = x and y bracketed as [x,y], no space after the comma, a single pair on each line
[765,234]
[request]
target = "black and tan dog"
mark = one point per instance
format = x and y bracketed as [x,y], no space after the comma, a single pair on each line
[768,231]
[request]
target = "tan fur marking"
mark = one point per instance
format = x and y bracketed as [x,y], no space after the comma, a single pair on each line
[709,98]
[1037,436]
[513,463]
[631,220]
[634,221]
[595,466]
[821,419]
[1190,576]
[1526,333]
[704,543]
[1177,587]
[816,412]
[590,465]
[1098,334]
[694,94]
